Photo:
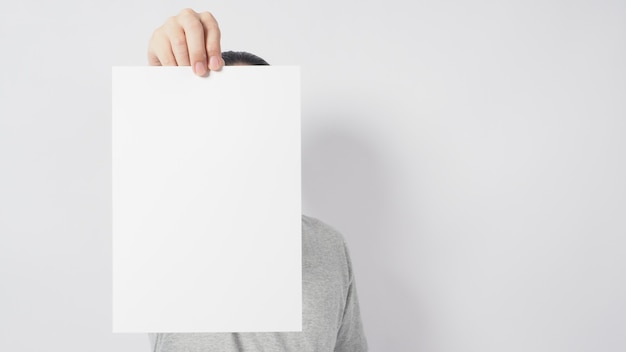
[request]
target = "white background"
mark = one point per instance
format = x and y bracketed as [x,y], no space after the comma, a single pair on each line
[471,152]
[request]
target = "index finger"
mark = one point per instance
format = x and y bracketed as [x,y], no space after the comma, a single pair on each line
[212,36]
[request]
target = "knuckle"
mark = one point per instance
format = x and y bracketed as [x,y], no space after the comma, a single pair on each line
[193,25]
[213,51]
[187,12]
[208,18]
[170,21]
[187,21]
[167,61]
[197,54]
[179,42]
[207,15]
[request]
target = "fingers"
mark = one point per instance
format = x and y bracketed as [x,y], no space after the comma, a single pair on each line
[160,51]
[178,44]
[188,39]
[195,48]
[213,36]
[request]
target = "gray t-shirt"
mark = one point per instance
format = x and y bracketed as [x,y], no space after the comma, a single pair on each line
[331,320]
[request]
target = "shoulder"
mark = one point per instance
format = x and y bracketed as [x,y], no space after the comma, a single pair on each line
[319,231]
[320,228]
[324,248]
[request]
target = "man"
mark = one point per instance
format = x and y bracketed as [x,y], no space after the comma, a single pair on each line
[331,319]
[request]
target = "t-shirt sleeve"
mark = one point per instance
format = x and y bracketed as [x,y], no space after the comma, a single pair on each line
[152,337]
[351,337]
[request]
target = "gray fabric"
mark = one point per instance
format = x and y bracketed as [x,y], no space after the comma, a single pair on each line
[331,320]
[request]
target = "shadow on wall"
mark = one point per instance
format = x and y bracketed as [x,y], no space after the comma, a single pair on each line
[347,183]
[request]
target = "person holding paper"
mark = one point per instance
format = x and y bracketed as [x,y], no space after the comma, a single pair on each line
[331,315]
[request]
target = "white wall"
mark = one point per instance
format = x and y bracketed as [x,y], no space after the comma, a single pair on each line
[472,153]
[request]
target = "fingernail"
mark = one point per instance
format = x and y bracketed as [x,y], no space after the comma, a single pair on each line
[199,68]
[214,63]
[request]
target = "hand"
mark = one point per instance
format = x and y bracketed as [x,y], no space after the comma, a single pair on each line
[188,39]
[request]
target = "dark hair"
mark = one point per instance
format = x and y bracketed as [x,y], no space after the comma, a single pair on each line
[242,58]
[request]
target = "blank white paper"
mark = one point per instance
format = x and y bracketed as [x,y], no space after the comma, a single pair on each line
[206,200]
